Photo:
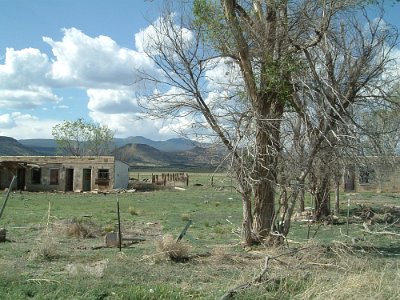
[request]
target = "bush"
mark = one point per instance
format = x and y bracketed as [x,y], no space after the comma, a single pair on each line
[176,251]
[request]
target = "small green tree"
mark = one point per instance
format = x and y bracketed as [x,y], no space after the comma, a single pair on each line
[80,138]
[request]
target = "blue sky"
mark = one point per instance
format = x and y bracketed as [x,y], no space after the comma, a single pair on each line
[36,35]
[68,59]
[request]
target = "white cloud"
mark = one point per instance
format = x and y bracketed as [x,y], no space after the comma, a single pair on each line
[24,68]
[30,98]
[109,74]
[24,79]
[136,124]
[6,121]
[89,62]
[20,126]
[160,33]
[112,101]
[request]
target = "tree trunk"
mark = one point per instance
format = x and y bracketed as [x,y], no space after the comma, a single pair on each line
[263,208]
[301,200]
[247,235]
[337,198]
[264,189]
[322,198]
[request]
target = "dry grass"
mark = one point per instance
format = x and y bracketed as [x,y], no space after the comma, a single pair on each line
[176,251]
[133,211]
[75,228]
[46,248]
[185,217]
[220,254]
[357,279]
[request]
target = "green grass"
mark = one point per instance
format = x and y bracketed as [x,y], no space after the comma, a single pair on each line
[37,263]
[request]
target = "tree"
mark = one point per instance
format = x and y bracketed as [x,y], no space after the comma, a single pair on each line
[275,58]
[79,138]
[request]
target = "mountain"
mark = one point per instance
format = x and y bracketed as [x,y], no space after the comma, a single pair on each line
[44,146]
[171,145]
[139,151]
[49,146]
[10,146]
[142,155]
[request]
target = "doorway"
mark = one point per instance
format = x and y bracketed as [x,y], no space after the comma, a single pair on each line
[87,179]
[349,179]
[20,179]
[69,180]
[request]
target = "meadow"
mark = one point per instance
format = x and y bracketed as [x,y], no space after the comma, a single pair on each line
[55,248]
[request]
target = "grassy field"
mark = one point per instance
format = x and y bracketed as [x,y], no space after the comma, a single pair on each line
[55,249]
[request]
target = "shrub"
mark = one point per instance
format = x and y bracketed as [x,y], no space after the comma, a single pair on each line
[176,251]
[133,211]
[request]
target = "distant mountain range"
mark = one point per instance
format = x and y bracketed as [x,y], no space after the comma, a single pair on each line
[49,146]
[138,151]
[10,146]
[141,155]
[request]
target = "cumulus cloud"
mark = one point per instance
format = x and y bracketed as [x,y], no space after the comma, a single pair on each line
[30,98]
[6,121]
[128,124]
[19,126]
[159,33]
[110,74]
[89,62]
[223,74]
[24,68]
[112,101]
[24,79]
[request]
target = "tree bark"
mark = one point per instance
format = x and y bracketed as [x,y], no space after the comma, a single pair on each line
[337,198]
[247,235]
[322,198]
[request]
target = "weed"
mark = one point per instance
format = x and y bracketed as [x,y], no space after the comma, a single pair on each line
[108,228]
[176,251]
[45,249]
[133,211]
[185,217]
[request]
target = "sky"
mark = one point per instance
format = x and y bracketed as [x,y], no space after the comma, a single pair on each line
[69,59]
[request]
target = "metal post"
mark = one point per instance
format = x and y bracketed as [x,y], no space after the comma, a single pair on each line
[7,195]
[119,226]
[348,215]
[183,232]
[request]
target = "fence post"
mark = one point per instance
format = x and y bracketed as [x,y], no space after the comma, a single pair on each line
[7,195]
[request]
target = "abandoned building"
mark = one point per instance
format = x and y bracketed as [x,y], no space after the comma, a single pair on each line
[63,173]
[373,174]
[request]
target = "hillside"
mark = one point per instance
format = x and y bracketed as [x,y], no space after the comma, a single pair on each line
[49,146]
[10,146]
[45,146]
[142,152]
[171,145]
[141,155]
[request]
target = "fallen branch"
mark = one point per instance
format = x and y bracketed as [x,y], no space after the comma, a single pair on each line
[366,229]
[40,280]
[262,277]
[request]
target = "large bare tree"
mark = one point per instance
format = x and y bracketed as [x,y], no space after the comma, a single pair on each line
[281,61]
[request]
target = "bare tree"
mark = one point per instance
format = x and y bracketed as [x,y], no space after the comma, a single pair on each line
[286,61]
[347,72]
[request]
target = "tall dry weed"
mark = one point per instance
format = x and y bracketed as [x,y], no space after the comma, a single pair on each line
[170,248]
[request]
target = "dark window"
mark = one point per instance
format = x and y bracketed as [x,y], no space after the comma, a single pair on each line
[36,175]
[367,175]
[104,174]
[54,176]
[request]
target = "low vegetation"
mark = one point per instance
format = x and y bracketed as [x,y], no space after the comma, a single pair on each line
[56,248]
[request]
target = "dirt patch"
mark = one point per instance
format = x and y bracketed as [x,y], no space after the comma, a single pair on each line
[95,269]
